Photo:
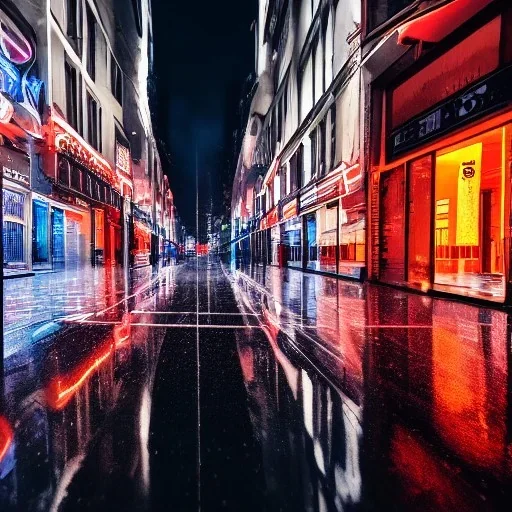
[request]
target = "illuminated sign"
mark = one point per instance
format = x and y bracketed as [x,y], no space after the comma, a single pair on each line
[475,101]
[67,141]
[123,159]
[15,166]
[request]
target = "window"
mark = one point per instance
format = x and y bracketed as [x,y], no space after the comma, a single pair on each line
[91,43]
[306,89]
[333,136]
[116,81]
[72,19]
[314,153]
[76,178]
[137,11]
[321,147]
[87,185]
[63,172]
[71,95]
[93,123]
[380,11]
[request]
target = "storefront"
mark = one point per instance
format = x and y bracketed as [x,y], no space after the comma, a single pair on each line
[333,218]
[441,197]
[80,220]
[16,209]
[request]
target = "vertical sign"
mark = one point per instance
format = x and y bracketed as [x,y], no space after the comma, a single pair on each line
[468,195]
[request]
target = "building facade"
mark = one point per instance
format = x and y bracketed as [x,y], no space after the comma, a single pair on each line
[85,184]
[378,144]
[299,196]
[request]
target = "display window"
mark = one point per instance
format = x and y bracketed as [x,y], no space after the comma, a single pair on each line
[311,241]
[327,224]
[419,206]
[292,242]
[14,229]
[275,241]
[469,214]
[392,226]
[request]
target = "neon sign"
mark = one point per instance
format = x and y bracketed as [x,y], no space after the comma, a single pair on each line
[16,50]
[6,437]
[67,141]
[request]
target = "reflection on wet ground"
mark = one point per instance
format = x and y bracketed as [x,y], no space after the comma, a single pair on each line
[265,389]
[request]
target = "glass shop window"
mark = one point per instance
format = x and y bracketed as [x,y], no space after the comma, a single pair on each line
[327,224]
[311,241]
[392,226]
[469,217]
[292,241]
[420,201]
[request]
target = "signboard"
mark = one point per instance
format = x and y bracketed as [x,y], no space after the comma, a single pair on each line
[484,97]
[15,166]
[67,141]
[123,159]
[290,210]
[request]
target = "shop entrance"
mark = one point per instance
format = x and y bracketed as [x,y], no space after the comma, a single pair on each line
[58,239]
[469,224]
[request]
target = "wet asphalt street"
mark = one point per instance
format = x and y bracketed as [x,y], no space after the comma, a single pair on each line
[199,387]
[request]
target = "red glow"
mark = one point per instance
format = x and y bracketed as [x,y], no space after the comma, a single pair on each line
[202,249]
[437,24]
[66,140]
[63,387]
[6,437]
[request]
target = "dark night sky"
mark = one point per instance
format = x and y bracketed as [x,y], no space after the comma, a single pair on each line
[203,51]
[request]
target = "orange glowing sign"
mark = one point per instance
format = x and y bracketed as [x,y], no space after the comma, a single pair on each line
[6,437]
[69,142]
[64,387]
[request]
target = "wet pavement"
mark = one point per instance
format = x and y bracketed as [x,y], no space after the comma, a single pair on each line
[196,386]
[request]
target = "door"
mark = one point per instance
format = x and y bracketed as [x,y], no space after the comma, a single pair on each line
[392,226]
[58,239]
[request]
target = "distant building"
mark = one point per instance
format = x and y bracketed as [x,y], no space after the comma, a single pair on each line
[82,179]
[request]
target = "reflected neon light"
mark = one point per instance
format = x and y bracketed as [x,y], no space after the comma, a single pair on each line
[6,437]
[62,389]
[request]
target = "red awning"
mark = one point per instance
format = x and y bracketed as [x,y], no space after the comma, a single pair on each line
[435,25]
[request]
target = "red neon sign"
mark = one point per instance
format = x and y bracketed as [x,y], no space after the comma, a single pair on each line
[69,142]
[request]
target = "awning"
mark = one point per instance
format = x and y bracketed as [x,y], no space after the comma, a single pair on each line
[435,25]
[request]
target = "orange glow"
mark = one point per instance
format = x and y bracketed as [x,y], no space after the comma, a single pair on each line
[62,388]
[469,412]
[6,437]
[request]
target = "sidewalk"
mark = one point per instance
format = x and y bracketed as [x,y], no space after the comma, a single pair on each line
[30,302]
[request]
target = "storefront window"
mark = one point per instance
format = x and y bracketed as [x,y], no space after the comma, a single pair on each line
[327,222]
[40,217]
[58,240]
[13,234]
[275,240]
[420,200]
[311,242]
[292,241]
[352,236]
[392,226]
[469,211]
